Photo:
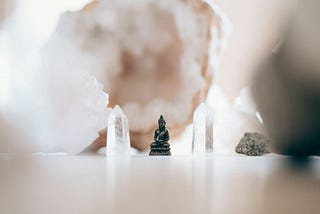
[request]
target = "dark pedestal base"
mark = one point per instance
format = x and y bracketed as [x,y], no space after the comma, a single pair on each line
[160,149]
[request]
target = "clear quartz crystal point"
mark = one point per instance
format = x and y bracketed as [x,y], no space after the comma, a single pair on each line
[118,139]
[202,141]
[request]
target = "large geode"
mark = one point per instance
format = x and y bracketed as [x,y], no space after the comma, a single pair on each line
[151,56]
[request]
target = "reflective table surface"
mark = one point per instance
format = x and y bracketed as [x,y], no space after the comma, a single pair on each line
[142,184]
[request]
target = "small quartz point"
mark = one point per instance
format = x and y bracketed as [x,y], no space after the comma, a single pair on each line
[202,141]
[118,139]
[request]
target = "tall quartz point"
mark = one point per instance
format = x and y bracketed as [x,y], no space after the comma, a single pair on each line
[202,141]
[118,139]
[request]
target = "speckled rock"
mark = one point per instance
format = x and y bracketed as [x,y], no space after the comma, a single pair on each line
[253,144]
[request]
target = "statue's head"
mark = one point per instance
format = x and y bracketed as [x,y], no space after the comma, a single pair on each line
[161,122]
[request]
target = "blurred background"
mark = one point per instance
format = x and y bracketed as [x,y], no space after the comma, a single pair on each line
[255,31]
[256,28]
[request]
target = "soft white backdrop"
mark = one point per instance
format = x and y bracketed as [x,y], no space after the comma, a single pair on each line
[256,28]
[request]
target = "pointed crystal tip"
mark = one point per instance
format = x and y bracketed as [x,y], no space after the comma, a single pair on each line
[117,110]
[203,108]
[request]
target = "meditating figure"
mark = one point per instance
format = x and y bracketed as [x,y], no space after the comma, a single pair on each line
[160,146]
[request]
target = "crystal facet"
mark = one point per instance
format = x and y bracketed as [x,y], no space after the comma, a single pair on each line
[202,141]
[118,139]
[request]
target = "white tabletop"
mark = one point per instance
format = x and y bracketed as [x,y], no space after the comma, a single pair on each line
[141,184]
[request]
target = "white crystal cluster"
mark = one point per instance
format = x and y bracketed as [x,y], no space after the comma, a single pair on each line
[74,100]
[54,102]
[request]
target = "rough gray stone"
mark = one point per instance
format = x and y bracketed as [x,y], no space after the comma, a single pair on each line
[253,144]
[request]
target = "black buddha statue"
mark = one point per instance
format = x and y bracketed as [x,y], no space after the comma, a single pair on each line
[160,146]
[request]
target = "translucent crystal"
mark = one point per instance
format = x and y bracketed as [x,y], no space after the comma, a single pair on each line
[202,141]
[118,140]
